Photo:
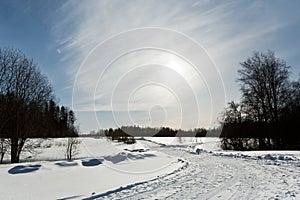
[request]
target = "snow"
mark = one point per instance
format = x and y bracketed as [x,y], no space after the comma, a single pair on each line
[102,166]
[211,145]
[212,176]
[174,141]
[153,168]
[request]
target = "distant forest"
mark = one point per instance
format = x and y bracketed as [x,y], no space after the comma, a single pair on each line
[126,134]
[137,131]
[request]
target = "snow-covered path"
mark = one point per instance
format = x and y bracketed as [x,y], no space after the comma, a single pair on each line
[217,177]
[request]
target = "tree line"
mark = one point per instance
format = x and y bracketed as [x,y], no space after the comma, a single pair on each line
[33,121]
[269,112]
[137,131]
[27,104]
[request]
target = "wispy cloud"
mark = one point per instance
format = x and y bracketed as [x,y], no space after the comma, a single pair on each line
[112,69]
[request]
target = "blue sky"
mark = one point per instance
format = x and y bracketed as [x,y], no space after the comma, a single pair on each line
[150,63]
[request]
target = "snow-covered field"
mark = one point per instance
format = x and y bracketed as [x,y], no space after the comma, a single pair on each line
[99,166]
[153,168]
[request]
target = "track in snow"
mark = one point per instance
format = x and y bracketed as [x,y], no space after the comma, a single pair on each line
[215,177]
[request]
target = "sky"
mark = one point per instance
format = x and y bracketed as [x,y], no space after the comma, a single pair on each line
[149,63]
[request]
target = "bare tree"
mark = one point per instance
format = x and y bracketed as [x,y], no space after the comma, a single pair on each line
[265,88]
[72,147]
[4,147]
[264,85]
[22,89]
[269,111]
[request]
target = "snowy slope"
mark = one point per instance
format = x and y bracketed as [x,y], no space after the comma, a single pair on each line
[161,169]
[211,176]
[102,166]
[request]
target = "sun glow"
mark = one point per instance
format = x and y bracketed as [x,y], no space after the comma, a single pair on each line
[175,63]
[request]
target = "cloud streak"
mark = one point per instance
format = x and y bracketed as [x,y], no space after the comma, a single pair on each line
[226,32]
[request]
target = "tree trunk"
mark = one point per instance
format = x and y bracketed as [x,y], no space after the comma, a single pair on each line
[14,157]
[16,149]
[2,156]
[261,143]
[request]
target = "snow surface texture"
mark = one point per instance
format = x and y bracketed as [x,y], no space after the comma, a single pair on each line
[179,168]
[101,165]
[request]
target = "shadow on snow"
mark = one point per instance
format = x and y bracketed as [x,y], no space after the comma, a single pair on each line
[91,162]
[66,164]
[71,197]
[23,169]
[123,156]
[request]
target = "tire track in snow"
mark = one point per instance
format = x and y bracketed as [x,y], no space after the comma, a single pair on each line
[212,177]
[166,187]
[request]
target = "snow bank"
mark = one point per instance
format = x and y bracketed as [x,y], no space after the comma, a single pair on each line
[263,155]
[211,145]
